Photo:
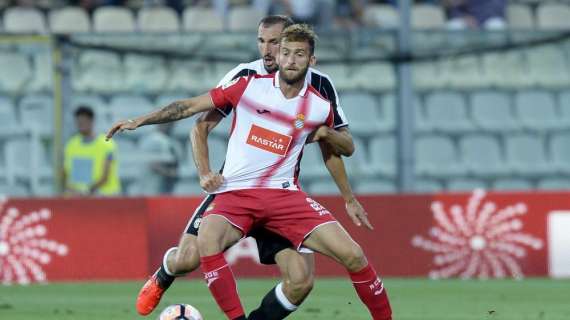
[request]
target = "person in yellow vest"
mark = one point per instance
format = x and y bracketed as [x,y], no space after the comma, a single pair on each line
[90,164]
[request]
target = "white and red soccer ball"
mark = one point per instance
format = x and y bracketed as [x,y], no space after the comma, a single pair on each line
[180,312]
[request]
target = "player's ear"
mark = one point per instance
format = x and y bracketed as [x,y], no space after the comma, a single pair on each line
[312,60]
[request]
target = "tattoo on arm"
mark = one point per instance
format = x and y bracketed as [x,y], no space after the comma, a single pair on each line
[172,112]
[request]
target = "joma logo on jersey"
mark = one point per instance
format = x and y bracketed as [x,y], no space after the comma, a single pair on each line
[268,140]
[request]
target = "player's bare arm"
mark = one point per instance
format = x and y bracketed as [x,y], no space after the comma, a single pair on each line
[340,139]
[175,111]
[335,165]
[209,181]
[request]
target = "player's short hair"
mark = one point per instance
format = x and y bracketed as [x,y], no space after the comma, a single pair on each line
[84,111]
[286,21]
[299,33]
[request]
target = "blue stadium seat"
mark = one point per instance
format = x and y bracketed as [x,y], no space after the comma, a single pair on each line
[526,155]
[512,184]
[560,151]
[383,156]
[447,111]
[389,115]
[37,112]
[362,111]
[16,72]
[547,65]
[375,186]
[492,111]
[312,165]
[465,184]
[8,119]
[537,110]
[436,156]
[482,155]
[188,187]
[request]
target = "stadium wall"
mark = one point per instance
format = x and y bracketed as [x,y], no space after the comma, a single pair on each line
[486,235]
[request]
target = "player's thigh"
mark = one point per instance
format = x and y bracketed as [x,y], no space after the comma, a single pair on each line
[333,241]
[217,233]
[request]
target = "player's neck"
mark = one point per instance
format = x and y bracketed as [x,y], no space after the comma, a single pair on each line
[291,90]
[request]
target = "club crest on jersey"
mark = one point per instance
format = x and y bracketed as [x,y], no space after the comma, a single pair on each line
[269,140]
[300,121]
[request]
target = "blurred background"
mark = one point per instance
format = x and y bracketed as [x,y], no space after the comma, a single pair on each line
[471,94]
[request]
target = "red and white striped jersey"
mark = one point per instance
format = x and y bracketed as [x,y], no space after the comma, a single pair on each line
[268,132]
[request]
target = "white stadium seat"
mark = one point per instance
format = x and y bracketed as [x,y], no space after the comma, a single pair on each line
[16,72]
[113,19]
[158,19]
[24,20]
[69,20]
[202,19]
[244,18]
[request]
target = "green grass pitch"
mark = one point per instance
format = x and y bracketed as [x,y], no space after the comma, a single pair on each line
[412,299]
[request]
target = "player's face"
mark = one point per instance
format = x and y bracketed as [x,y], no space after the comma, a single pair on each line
[294,61]
[268,45]
[84,125]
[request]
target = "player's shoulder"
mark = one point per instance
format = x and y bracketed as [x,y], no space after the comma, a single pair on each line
[317,75]
[318,95]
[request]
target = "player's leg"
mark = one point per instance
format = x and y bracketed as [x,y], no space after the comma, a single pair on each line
[332,240]
[297,270]
[217,233]
[177,262]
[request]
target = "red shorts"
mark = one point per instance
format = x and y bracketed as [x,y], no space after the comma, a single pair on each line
[291,214]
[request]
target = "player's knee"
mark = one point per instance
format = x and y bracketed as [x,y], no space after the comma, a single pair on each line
[301,286]
[354,259]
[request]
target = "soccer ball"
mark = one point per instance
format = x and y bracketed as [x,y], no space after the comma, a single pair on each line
[180,312]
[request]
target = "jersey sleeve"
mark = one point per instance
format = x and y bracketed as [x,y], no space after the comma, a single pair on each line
[230,93]
[330,122]
[326,88]
[239,71]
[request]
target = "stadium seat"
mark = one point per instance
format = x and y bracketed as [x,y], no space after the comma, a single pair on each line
[130,160]
[244,18]
[358,165]
[158,19]
[465,184]
[492,111]
[312,165]
[506,70]
[324,186]
[45,189]
[113,19]
[217,153]
[339,73]
[481,154]
[382,15]
[548,67]
[24,20]
[447,111]
[145,74]
[512,184]
[536,110]
[8,118]
[559,147]
[69,20]
[196,76]
[383,156]
[427,75]
[520,16]
[462,73]
[374,76]
[559,184]
[128,107]
[427,186]
[26,160]
[42,79]
[188,187]
[375,187]
[222,130]
[202,19]
[427,17]
[388,120]
[37,112]
[436,156]
[362,111]
[16,72]
[554,16]
[526,155]
[98,71]
[564,107]
[14,190]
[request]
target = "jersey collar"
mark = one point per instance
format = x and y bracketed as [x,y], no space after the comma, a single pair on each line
[304,90]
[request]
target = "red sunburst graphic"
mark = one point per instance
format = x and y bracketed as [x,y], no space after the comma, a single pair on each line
[478,240]
[24,247]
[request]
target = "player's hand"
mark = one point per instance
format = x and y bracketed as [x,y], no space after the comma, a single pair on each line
[120,127]
[357,213]
[211,181]
[318,134]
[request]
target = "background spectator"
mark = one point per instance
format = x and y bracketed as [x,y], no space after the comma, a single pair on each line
[487,14]
[90,165]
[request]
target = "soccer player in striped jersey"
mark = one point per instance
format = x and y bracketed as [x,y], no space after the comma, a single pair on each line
[297,268]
